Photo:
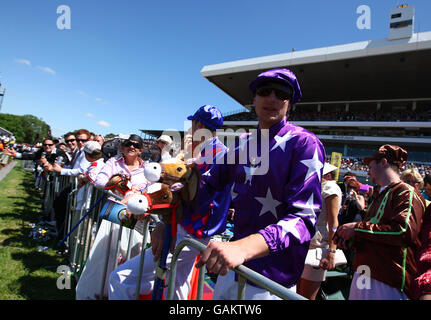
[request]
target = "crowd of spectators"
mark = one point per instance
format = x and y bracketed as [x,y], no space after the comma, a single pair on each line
[399,115]
[82,155]
[302,115]
[357,164]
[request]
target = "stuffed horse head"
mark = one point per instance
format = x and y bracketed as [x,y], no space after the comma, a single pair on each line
[175,170]
[119,184]
[173,176]
[158,198]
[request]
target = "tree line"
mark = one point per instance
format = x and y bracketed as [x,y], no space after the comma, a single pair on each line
[26,128]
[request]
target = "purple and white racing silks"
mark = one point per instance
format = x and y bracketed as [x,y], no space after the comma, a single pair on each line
[283,203]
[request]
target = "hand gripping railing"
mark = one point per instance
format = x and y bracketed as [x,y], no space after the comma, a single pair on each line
[243,272]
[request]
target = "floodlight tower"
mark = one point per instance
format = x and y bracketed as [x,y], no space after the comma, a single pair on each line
[402,22]
[2,92]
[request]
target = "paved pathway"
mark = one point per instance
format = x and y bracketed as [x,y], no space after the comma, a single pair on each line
[4,172]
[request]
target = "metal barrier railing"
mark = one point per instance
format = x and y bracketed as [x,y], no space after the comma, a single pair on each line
[81,238]
[4,159]
[243,272]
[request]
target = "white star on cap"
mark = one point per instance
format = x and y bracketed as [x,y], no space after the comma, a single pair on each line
[208,108]
[268,204]
[314,166]
[289,226]
[281,141]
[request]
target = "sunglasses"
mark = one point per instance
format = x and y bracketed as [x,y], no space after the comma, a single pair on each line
[48,144]
[280,94]
[70,140]
[129,143]
[82,140]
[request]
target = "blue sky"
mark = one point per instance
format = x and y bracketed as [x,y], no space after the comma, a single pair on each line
[135,64]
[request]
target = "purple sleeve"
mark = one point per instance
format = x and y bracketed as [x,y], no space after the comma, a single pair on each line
[302,196]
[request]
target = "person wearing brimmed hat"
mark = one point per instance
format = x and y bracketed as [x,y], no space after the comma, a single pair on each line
[129,163]
[160,152]
[322,254]
[386,241]
[275,210]
[206,218]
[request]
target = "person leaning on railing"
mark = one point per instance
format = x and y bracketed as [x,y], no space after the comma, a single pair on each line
[201,222]
[45,156]
[128,163]
[79,163]
[276,211]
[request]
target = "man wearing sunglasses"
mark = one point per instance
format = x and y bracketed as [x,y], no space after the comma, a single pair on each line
[45,156]
[276,211]
[72,146]
[203,219]
[78,163]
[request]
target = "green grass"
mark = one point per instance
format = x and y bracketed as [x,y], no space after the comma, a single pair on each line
[25,273]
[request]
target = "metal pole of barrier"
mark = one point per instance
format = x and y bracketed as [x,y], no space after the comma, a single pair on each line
[247,273]
[84,231]
[201,281]
[105,265]
[241,288]
[142,258]
[68,218]
[76,239]
[129,243]
[91,218]
[118,246]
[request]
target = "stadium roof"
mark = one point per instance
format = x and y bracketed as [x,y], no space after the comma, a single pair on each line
[157,133]
[366,70]
[4,131]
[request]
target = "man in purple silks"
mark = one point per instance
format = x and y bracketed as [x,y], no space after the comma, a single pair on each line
[276,208]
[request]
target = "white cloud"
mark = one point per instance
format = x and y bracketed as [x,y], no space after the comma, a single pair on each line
[90,115]
[47,70]
[101,100]
[23,61]
[80,92]
[103,124]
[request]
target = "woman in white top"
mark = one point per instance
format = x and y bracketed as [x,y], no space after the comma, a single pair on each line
[326,225]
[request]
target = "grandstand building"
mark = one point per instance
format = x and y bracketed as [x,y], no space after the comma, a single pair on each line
[356,96]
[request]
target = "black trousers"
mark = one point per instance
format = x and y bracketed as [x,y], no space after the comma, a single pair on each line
[60,206]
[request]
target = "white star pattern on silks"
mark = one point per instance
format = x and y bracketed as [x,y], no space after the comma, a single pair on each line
[314,166]
[233,193]
[281,141]
[207,174]
[268,204]
[289,226]
[243,143]
[308,208]
[249,172]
